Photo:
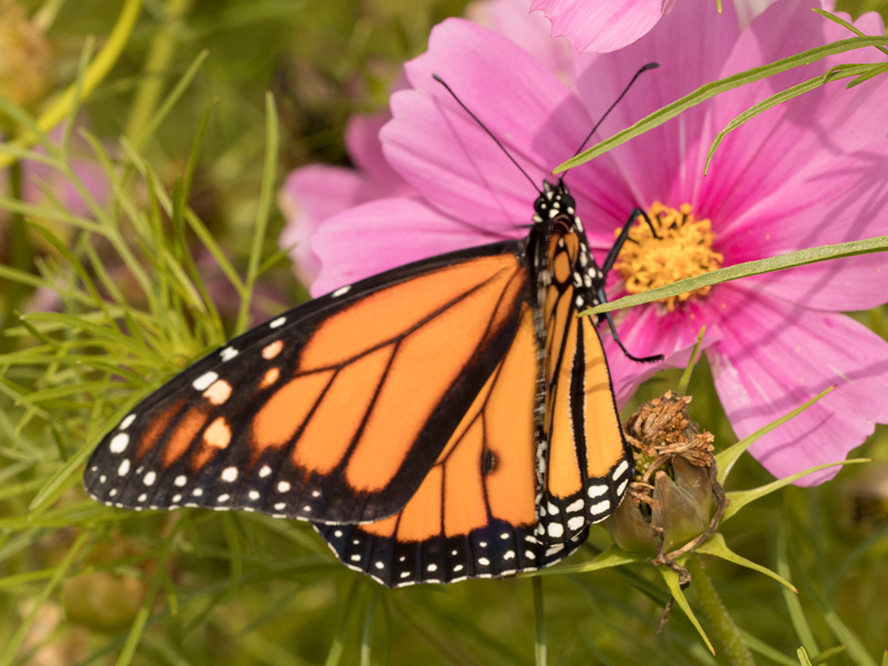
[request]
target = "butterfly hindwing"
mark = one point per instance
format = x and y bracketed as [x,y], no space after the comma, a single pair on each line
[334,410]
[474,514]
[584,462]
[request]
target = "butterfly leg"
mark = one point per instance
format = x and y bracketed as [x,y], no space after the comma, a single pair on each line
[610,322]
[608,264]
[611,257]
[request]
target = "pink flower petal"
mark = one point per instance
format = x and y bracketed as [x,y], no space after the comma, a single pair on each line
[602,25]
[513,20]
[383,234]
[365,150]
[838,204]
[447,157]
[665,163]
[798,139]
[310,195]
[773,357]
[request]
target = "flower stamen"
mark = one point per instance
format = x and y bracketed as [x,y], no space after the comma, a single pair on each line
[682,249]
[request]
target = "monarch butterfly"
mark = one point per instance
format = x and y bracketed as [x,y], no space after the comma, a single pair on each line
[452,418]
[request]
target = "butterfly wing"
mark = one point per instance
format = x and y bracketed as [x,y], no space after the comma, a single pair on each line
[474,513]
[584,461]
[334,411]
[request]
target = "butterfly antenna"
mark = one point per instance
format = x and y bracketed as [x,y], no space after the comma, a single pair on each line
[650,65]
[489,133]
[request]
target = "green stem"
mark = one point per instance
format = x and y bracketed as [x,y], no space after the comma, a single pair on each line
[725,632]
[160,54]
[94,75]
[539,647]
[20,257]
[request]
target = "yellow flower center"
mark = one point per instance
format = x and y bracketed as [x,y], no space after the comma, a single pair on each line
[683,250]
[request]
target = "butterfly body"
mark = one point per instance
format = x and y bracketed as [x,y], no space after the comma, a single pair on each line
[447,419]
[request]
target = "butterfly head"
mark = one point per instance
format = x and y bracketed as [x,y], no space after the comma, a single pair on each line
[554,201]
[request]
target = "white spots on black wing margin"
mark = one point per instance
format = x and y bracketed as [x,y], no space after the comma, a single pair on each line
[229,474]
[341,291]
[203,382]
[600,508]
[277,323]
[228,353]
[119,443]
[620,470]
[127,422]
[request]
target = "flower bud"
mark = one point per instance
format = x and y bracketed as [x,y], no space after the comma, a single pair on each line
[671,451]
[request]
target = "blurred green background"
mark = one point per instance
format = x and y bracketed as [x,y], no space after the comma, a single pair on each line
[246,589]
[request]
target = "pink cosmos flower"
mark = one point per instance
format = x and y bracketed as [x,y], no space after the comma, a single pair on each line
[807,173]
[313,193]
[602,26]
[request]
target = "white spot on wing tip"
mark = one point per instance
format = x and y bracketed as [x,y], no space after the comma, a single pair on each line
[229,474]
[127,422]
[119,443]
[228,353]
[283,486]
[124,468]
[277,323]
[203,382]
[265,471]
[341,291]
[149,479]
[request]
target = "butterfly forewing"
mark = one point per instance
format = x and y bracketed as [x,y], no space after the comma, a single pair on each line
[333,411]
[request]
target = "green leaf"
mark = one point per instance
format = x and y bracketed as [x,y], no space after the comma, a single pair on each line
[612,557]
[759,267]
[717,547]
[848,26]
[46,493]
[15,641]
[266,197]
[760,647]
[725,459]
[737,499]
[711,89]
[793,603]
[671,578]
[539,643]
[803,657]
[826,655]
[689,370]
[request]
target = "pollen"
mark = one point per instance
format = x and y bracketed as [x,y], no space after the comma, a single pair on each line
[683,250]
